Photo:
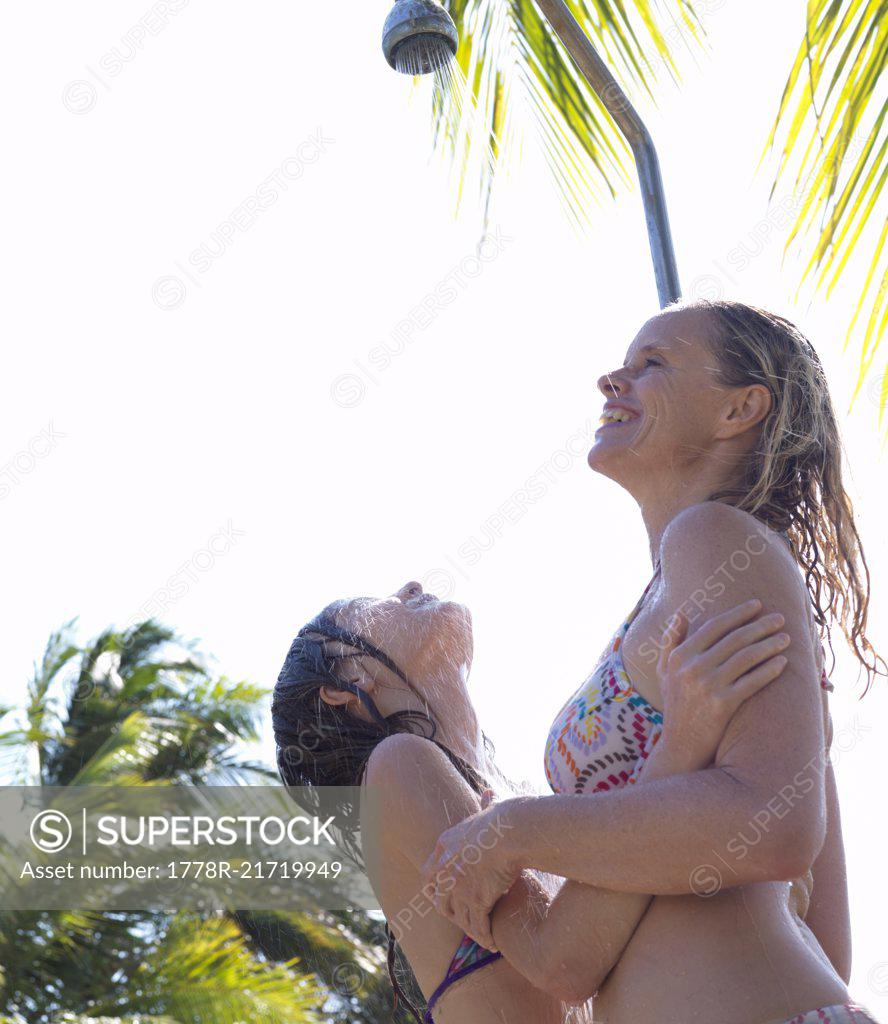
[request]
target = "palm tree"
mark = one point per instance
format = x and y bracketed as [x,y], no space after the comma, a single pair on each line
[139,707]
[347,951]
[132,708]
[831,115]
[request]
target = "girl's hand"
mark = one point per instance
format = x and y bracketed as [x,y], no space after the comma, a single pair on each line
[705,678]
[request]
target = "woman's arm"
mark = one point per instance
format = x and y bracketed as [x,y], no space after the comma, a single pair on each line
[828,916]
[569,945]
[757,815]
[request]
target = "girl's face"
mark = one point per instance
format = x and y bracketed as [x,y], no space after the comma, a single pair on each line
[428,639]
[664,408]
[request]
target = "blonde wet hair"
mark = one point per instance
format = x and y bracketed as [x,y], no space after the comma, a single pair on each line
[792,480]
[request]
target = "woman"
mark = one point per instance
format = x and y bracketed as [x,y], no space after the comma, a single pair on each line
[365,688]
[721,427]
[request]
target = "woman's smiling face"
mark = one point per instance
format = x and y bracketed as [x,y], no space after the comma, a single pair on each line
[663,406]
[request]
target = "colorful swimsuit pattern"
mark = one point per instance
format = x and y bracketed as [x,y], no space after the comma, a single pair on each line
[848,1013]
[606,731]
[599,742]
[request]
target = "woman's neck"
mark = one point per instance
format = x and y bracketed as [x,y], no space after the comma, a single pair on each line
[662,500]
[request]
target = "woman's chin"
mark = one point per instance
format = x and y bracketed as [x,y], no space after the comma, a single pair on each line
[606,456]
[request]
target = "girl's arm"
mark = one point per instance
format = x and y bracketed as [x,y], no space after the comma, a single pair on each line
[757,815]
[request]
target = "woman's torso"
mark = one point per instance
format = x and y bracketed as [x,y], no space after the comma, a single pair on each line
[739,956]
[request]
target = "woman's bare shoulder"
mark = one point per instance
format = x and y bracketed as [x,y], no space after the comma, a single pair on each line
[714,556]
[712,539]
[715,520]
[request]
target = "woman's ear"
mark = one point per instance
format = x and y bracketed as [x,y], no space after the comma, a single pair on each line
[336,698]
[745,409]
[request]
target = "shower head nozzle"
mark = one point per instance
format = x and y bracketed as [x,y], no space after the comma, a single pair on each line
[419,37]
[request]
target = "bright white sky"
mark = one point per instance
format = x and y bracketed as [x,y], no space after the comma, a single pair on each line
[172,426]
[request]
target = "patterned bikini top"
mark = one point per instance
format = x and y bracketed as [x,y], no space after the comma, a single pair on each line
[606,731]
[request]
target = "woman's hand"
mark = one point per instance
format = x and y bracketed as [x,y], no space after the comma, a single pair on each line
[705,679]
[470,870]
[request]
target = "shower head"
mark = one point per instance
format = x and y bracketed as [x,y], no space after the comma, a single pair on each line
[419,37]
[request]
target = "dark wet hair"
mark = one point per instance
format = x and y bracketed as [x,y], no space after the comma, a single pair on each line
[322,745]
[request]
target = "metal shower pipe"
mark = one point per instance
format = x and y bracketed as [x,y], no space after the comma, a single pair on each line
[608,90]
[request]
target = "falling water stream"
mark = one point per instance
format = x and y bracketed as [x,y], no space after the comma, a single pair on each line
[460,123]
[423,54]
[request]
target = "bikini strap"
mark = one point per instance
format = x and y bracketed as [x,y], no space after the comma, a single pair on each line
[633,615]
[454,976]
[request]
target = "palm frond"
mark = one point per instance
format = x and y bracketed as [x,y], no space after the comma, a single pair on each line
[346,952]
[46,955]
[60,649]
[76,1018]
[190,726]
[205,971]
[511,59]
[234,707]
[119,759]
[34,725]
[833,135]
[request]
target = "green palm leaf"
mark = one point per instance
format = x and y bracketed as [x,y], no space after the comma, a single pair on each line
[205,971]
[510,58]
[119,760]
[345,951]
[832,123]
[76,1018]
[47,955]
